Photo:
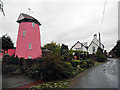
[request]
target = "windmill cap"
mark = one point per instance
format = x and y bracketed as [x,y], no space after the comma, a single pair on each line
[27,18]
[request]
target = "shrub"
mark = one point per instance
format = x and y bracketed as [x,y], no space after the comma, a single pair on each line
[100,55]
[50,68]
[90,63]
[54,68]
[75,63]
[83,65]
[9,69]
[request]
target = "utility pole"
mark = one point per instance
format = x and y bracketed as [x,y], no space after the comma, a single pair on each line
[99,40]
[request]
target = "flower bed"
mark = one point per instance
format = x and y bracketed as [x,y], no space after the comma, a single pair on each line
[52,84]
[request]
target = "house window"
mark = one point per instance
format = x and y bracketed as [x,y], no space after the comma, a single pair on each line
[78,49]
[29,57]
[30,46]
[33,24]
[93,49]
[24,33]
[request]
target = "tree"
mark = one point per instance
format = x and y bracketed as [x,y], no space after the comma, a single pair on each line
[65,52]
[105,52]
[100,55]
[116,49]
[53,47]
[64,49]
[50,46]
[71,56]
[54,68]
[7,43]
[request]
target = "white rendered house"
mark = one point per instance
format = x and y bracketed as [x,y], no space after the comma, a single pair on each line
[95,43]
[79,46]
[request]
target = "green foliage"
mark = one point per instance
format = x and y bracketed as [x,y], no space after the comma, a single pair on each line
[81,54]
[7,42]
[100,55]
[74,63]
[64,47]
[11,65]
[71,56]
[105,52]
[54,68]
[11,60]
[9,69]
[50,68]
[52,84]
[116,49]
[64,52]
[90,63]
[83,65]
[53,47]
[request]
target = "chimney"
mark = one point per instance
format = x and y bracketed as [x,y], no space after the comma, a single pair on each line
[95,36]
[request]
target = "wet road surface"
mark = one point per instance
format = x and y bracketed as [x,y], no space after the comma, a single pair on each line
[101,76]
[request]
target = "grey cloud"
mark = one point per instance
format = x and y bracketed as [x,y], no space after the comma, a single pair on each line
[65,21]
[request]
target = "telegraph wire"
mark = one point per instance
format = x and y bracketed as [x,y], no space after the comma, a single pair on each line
[102,23]
[103,15]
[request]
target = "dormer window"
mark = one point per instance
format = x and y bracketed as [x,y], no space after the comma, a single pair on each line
[33,24]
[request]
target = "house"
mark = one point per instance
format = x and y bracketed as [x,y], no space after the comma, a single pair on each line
[111,54]
[79,46]
[28,40]
[95,43]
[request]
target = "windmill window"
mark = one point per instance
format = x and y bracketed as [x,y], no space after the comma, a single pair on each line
[33,24]
[24,33]
[30,46]
[29,57]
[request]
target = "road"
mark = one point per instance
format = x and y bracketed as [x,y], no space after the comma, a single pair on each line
[101,76]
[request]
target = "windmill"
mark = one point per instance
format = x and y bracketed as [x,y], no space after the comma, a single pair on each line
[1,7]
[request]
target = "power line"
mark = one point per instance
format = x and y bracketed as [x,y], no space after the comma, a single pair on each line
[103,15]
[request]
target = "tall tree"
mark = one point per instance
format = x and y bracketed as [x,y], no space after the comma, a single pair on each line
[7,43]
[116,49]
[64,49]
[53,47]
[100,55]
[105,52]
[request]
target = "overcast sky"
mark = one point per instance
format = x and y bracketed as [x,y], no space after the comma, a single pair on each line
[65,21]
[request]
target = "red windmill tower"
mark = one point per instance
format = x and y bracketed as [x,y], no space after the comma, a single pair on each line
[28,39]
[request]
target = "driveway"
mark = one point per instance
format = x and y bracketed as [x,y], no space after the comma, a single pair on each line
[13,81]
